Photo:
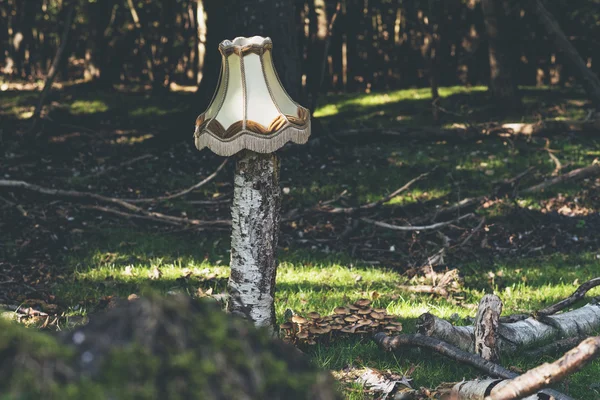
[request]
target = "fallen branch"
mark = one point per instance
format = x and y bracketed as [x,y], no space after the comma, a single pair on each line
[183,192]
[547,374]
[437,225]
[501,188]
[162,218]
[561,305]
[513,337]
[392,343]
[148,215]
[67,193]
[375,204]
[577,295]
[576,174]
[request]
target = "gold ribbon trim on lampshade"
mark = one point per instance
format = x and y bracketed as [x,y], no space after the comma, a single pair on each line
[246,133]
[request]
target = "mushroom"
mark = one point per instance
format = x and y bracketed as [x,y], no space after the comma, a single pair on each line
[376,315]
[351,318]
[287,327]
[380,310]
[352,307]
[349,329]
[336,327]
[313,315]
[251,114]
[299,320]
[364,322]
[341,311]
[365,311]
[302,335]
[362,302]
[339,321]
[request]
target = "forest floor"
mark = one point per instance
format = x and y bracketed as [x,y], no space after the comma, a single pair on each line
[62,260]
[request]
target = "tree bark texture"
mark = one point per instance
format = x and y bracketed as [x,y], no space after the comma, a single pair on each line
[255,220]
[478,389]
[486,327]
[516,336]
[502,85]
[589,80]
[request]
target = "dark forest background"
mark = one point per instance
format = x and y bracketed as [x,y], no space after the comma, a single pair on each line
[345,46]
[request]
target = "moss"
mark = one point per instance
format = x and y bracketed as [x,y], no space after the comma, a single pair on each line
[154,348]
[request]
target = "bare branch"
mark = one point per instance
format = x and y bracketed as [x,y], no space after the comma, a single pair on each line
[437,225]
[547,374]
[183,192]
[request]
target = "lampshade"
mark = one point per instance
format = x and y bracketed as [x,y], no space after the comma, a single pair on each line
[250,108]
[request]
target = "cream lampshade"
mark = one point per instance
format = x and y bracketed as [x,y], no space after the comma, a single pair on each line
[250,108]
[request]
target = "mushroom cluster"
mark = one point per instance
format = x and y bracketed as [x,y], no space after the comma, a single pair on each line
[358,318]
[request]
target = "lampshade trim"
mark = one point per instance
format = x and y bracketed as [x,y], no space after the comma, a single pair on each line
[252,141]
[228,47]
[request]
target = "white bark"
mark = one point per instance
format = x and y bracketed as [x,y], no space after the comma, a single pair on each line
[486,327]
[477,390]
[513,337]
[255,220]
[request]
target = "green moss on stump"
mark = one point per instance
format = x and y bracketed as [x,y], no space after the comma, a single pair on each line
[154,348]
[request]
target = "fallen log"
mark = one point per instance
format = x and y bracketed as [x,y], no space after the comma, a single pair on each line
[547,374]
[391,343]
[560,346]
[516,336]
[478,389]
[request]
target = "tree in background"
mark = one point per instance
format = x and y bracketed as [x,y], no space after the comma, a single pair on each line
[502,86]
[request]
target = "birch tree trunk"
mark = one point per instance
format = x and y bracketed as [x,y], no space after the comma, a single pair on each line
[255,219]
[589,80]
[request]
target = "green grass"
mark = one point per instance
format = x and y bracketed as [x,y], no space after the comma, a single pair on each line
[118,262]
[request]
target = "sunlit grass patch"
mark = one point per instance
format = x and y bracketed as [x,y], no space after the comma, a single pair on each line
[79,107]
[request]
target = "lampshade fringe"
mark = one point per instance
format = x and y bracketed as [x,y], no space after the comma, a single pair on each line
[247,140]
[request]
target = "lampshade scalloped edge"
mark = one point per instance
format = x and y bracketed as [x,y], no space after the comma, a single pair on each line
[252,141]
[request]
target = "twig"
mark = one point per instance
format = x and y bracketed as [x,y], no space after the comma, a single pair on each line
[396,342]
[547,374]
[475,230]
[183,192]
[555,160]
[158,217]
[577,295]
[124,164]
[416,228]
[561,305]
[375,204]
